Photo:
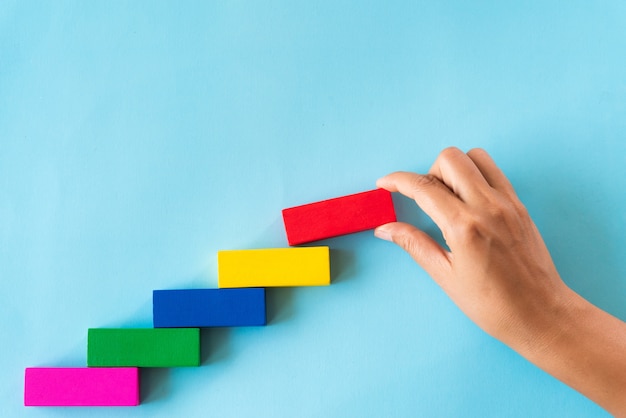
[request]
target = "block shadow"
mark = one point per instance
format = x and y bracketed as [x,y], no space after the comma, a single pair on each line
[154,384]
[280,300]
[342,265]
[214,345]
[279,304]
[214,342]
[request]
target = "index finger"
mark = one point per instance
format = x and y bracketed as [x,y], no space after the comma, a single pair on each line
[434,197]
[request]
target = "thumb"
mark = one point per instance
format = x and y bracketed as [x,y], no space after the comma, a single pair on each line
[431,256]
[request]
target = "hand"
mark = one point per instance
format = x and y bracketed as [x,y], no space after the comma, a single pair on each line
[499,272]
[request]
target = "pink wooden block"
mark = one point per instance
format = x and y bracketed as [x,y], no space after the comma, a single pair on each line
[115,386]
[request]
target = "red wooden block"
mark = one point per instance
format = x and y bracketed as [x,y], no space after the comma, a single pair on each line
[338,216]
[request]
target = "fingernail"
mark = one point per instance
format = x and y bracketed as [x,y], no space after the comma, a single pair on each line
[382,233]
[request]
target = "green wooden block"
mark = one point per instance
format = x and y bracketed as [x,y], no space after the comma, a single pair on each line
[143,347]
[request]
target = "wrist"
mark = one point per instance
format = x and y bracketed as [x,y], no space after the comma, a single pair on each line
[582,346]
[547,323]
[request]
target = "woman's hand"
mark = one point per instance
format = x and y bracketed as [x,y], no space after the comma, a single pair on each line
[499,272]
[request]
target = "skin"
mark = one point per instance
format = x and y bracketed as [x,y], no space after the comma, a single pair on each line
[499,272]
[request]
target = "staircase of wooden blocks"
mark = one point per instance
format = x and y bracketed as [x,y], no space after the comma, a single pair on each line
[114,355]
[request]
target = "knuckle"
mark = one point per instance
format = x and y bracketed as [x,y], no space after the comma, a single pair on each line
[477,152]
[478,225]
[470,228]
[450,152]
[497,221]
[497,212]
[449,158]
[421,182]
[520,208]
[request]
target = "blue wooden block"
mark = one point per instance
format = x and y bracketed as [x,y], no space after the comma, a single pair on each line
[208,308]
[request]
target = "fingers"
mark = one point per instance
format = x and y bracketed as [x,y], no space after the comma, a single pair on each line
[470,176]
[433,258]
[437,200]
[459,172]
[490,171]
[457,184]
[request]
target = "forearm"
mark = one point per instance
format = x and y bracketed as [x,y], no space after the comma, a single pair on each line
[585,348]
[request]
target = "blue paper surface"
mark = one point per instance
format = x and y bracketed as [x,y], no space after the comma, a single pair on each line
[137,138]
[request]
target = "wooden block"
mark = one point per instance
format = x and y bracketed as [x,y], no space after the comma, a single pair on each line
[338,216]
[208,307]
[143,347]
[63,386]
[274,267]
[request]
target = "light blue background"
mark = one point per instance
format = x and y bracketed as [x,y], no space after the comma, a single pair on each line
[139,138]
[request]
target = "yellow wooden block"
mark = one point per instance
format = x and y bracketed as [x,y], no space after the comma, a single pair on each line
[274,267]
